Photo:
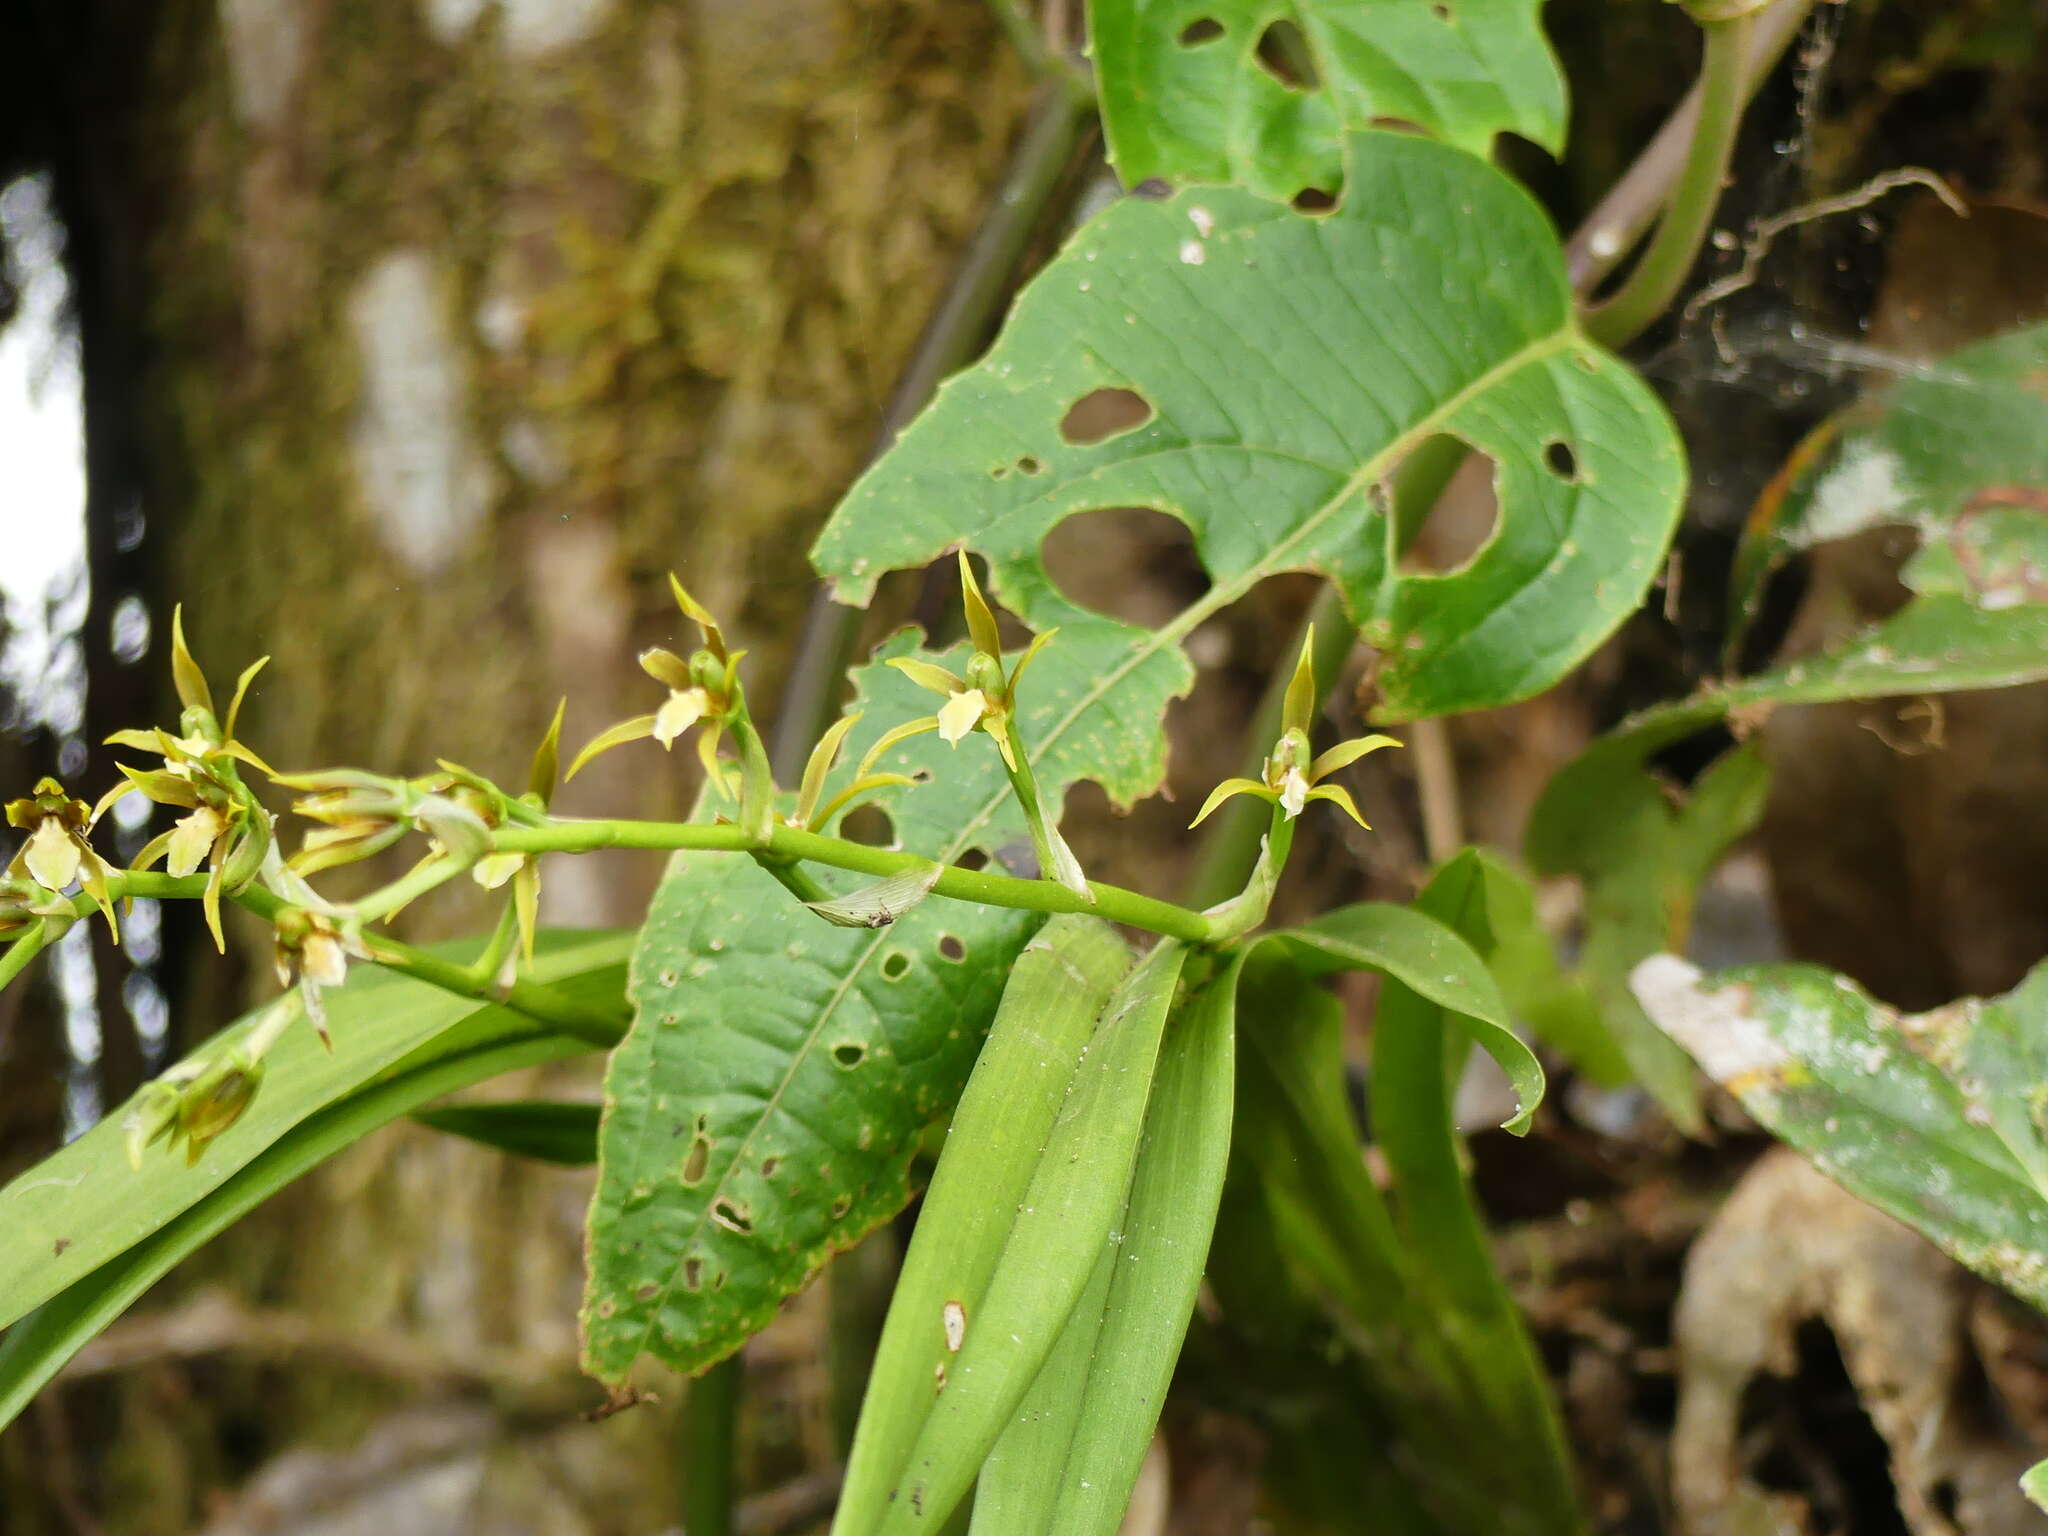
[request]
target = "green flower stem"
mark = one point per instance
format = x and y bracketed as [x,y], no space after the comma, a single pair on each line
[541,1001]
[1648,291]
[407,888]
[15,958]
[757,779]
[1111,902]
[1241,913]
[485,966]
[1024,784]
[795,879]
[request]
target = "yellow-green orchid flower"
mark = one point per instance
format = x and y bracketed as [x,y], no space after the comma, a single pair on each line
[985,699]
[59,849]
[703,689]
[1291,778]
[225,828]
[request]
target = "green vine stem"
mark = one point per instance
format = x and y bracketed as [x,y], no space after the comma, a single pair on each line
[709,1432]
[1059,125]
[789,845]
[1649,289]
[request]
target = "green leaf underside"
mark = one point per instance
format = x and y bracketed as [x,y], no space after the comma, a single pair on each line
[1066,1463]
[1049,1014]
[481,1044]
[1186,96]
[1936,1118]
[544,1130]
[1431,960]
[1433,301]
[1958,451]
[803,1058]
[83,1204]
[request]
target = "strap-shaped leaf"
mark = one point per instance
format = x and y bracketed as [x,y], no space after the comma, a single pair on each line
[1057,993]
[1415,949]
[1935,1118]
[1288,363]
[1261,91]
[548,1131]
[83,1205]
[166,1211]
[1067,1462]
[1078,1187]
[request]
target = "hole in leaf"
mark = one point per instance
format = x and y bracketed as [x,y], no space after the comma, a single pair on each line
[1559,459]
[693,1274]
[733,1216]
[718,1280]
[870,825]
[1442,13]
[1130,563]
[951,948]
[998,471]
[694,1164]
[1102,414]
[1314,200]
[841,1206]
[769,1165]
[1284,54]
[1029,466]
[895,965]
[850,1053]
[973,858]
[1203,29]
[1462,522]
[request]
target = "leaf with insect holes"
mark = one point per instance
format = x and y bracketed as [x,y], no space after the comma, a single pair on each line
[763,1110]
[1286,364]
[1940,1119]
[1262,91]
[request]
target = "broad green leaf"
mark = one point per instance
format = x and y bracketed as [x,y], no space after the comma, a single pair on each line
[1415,1066]
[2034,1484]
[762,1112]
[1957,451]
[1643,856]
[1205,90]
[1289,363]
[1066,1464]
[482,1043]
[1078,1187]
[545,1130]
[1417,950]
[1936,1118]
[83,1204]
[1049,1013]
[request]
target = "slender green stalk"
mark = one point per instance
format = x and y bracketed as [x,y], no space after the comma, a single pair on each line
[15,958]
[1059,123]
[1028,38]
[710,1437]
[1111,902]
[1648,290]
[407,888]
[485,966]
[538,1000]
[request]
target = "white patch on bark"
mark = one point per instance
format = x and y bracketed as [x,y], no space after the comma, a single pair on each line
[529,27]
[265,47]
[423,479]
[1714,1028]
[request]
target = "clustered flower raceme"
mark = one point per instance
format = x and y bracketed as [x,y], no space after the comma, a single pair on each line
[225,829]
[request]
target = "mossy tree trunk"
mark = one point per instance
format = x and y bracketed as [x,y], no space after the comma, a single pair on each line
[434,333]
